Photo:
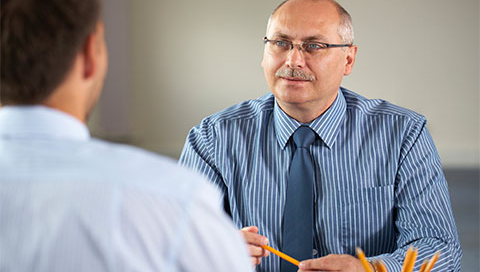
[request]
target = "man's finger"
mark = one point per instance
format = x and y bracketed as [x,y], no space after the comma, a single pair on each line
[253,229]
[329,262]
[332,262]
[256,261]
[256,251]
[253,237]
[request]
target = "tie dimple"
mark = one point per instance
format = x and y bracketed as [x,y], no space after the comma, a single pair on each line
[303,137]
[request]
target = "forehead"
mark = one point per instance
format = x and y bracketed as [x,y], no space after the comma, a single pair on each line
[300,19]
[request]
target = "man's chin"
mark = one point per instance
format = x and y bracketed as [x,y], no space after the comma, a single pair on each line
[293,95]
[296,102]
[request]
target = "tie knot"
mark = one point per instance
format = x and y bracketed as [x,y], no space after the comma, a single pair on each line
[303,137]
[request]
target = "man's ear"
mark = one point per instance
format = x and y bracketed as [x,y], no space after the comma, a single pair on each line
[350,59]
[90,52]
[88,57]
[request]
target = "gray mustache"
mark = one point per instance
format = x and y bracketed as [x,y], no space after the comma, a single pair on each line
[294,73]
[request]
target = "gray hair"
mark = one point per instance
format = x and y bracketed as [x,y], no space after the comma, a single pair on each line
[345,28]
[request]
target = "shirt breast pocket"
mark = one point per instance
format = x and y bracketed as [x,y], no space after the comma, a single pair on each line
[368,219]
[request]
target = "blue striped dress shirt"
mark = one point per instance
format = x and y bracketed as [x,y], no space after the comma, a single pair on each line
[379,181]
[70,203]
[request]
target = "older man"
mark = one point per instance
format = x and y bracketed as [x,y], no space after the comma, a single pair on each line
[72,203]
[319,170]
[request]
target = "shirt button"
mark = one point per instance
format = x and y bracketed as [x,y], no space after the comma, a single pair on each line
[315,252]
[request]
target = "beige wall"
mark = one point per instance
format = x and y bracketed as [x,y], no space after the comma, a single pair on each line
[191,58]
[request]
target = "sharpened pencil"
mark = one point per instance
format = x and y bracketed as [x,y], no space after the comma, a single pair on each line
[424,265]
[379,266]
[409,261]
[281,255]
[363,260]
[432,262]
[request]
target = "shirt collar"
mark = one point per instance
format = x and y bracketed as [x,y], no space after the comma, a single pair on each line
[40,122]
[326,125]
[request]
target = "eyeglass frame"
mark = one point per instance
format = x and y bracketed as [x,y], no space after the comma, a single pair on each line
[301,46]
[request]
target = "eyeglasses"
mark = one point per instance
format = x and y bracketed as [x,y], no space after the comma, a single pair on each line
[309,46]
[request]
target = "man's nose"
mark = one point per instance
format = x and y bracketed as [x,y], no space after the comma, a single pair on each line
[295,57]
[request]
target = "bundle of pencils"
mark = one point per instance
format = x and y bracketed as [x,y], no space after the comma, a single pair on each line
[408,262]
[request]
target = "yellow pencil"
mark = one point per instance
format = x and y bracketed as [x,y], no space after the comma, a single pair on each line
[432,262]
[281,255]
[379,266]
[406,259]
[409,260]
[363,260]
[424,265]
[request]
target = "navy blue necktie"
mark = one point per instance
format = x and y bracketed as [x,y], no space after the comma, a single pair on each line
[297,239]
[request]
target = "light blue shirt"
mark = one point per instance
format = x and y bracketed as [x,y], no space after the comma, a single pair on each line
[379,181]
[72,203]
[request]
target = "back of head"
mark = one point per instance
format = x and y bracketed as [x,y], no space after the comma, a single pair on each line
[39,41]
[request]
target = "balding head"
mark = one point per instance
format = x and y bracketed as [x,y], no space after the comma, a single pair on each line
[345,26]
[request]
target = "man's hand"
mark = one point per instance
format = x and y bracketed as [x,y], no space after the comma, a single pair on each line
[332,262]
[254,241]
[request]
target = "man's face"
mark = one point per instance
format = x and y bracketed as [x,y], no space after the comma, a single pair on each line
[297,22]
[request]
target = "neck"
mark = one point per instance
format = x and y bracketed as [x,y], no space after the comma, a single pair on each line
[76,112]
[69,100]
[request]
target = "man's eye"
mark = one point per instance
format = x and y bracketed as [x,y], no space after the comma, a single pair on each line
[314,46]
[282,44]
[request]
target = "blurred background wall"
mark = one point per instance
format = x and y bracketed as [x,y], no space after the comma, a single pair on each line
[174,62]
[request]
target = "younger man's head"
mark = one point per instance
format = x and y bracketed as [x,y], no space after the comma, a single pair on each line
[53,53]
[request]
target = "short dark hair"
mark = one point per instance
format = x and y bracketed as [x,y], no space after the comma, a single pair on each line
[39,41]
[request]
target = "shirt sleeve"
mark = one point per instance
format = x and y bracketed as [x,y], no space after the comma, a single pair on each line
[211,242]
[424,217]
[158,232]
[198,154]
